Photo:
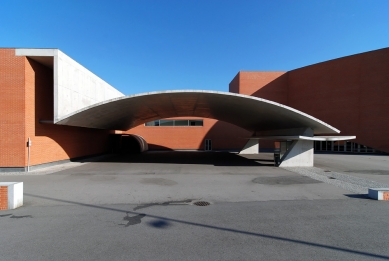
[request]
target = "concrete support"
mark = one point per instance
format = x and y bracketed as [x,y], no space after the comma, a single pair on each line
[299,154]
[251,147]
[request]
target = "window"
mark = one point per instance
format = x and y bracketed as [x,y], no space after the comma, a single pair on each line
[166,123]
[178,123]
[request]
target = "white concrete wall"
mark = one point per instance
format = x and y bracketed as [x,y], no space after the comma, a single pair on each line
[75,87]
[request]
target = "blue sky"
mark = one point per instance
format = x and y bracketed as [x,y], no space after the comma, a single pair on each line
[150,45]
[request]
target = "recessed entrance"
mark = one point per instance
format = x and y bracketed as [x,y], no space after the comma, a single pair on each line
[128,144]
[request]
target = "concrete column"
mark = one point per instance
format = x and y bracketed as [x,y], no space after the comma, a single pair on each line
[300,154]
[251,147]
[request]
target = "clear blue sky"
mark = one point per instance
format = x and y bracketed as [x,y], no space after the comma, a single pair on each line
[150,45]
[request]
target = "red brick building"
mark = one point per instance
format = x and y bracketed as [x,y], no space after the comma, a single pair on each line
[350,93]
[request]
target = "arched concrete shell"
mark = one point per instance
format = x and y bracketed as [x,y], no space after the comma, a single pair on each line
[248,112]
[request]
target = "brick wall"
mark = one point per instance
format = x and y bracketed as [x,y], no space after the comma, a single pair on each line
[54,142]
[350,93]
[267,85]
[3,197]
[234,84]
[223,135]
[12,107]
[26,96]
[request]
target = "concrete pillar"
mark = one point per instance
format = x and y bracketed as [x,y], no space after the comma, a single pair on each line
[251,147]
[300,154]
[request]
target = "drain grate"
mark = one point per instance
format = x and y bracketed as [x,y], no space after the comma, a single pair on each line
[331,178]
[202,203]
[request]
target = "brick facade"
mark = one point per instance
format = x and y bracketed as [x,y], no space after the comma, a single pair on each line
[349,93]
[3,197]
[224,136]
[12,109]
[26,89]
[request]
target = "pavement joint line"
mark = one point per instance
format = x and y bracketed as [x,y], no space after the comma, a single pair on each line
[347,182]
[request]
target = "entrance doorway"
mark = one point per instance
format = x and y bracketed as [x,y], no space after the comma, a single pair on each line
[208,145]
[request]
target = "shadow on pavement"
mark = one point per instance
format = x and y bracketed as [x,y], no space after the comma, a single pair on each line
[164,222]
[191,157]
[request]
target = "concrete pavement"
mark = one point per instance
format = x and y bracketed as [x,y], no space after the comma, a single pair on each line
[140,207]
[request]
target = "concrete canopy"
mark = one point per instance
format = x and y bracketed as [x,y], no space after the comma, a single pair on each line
[248,112]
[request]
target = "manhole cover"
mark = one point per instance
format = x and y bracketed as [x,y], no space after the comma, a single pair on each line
[202,203]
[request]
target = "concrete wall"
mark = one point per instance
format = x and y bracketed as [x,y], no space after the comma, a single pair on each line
[75,87]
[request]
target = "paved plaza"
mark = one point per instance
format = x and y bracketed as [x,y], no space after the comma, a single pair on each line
[143,207]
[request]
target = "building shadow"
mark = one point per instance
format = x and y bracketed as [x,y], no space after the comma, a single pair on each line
[57,142]
[193,157]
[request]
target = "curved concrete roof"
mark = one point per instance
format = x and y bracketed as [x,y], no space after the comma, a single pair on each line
[248,112]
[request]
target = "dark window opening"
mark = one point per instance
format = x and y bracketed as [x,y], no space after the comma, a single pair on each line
[179,123]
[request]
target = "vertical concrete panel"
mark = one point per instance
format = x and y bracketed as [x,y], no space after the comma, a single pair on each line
[15,195]
[78,87]
[299,155]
